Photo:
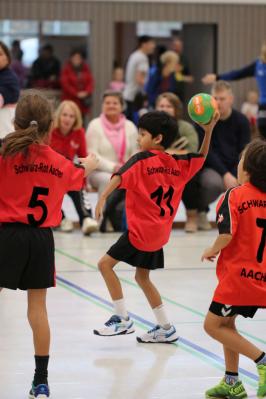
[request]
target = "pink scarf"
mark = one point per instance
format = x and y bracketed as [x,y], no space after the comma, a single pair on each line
[116,134]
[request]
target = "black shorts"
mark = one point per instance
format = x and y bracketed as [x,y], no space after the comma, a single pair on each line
[124,251]
[223,310]
[26,257]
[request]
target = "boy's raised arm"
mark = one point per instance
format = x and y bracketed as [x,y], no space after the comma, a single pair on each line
[204,149]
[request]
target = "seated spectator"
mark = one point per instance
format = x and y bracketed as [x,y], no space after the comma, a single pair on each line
[250,108]
[117,83]
[162,78]
[113,139]
[77,82]
[9,92]
[45,70]
[68,138]
[187,141]
[229,138]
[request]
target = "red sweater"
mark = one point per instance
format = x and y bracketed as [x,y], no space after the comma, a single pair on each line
[73,82]
[72,144]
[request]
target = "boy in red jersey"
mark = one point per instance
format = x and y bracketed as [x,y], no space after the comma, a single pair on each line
[154,182]
[241,270]
[34,179]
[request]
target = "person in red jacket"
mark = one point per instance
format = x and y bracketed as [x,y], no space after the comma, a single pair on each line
[241,270]
[68,138]
[77,82]
[34,179]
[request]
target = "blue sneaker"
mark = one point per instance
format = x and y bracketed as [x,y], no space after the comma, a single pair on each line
[41,391]
[159,335]
[116,326]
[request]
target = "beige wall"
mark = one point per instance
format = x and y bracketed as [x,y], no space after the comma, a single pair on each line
[241,28]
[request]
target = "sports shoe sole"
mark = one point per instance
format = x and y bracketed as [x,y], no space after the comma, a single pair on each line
[39,397]
[156,342]
[125,332]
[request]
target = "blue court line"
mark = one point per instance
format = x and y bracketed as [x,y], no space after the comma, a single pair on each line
[186,342]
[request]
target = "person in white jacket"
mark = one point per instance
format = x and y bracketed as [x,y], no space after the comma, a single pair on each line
[112,138]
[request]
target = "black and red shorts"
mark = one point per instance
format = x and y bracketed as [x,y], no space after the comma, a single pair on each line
[26,257]
[222,310]
[124,251]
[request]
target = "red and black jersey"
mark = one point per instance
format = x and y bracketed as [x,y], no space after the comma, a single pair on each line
[154,181]
[241,267]
[70,145]
[33,186]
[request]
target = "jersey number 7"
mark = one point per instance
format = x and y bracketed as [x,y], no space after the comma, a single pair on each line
[160,196]
[262,224]
[35,202]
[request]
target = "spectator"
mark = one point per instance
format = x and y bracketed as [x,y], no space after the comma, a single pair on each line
[183,74]
[117,83]
[162,78]
[113,139]
[9,92]
[256,69]
[187,141]
[77,82]
[137,70]
[16,63]
[68,139]
[230,135]
[45,70]
[250,109]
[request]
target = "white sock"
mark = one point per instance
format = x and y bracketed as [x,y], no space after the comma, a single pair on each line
[120,308]
[160,315]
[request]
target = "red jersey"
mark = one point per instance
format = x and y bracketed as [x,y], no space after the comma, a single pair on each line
[154,181]
[33,187]
[241,267]
[70,145]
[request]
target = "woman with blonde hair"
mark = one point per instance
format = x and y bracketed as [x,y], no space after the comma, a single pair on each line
[68,139]
[162,77]
[256,69]
[187,141]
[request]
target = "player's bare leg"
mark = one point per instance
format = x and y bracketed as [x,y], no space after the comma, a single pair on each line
[163,332]
[38,319]
[217,327]
[106,265]
[153,296]
[119,323]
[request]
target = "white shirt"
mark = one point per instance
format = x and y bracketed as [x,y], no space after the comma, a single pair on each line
[137,62]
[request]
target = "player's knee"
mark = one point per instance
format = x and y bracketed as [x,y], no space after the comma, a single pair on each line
[209,327]
[103,265]
[140,279]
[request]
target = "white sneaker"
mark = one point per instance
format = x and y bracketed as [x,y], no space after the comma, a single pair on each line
[116,326]
[159,335]
[89,225]
[66,225]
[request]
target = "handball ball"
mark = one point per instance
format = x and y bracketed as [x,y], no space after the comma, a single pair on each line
[201,108]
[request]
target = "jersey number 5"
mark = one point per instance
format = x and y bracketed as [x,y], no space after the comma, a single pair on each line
[262,224]
[160,196]
[34,202]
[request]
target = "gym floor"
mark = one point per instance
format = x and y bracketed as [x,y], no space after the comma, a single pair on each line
[84,365]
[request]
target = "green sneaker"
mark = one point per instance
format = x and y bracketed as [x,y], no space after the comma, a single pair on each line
[237,391]
[226,391]
[261,393]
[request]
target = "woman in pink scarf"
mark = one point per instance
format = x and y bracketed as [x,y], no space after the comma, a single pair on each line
[112,137]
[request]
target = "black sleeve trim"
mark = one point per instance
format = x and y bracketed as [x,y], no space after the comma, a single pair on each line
[187,157]
[134,159]
[223,218]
